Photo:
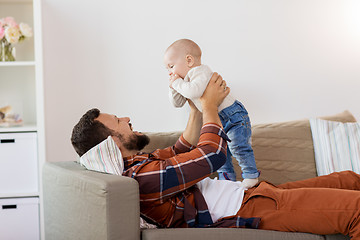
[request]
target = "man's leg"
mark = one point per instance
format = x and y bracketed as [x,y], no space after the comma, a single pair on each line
[342,180]
[312,210]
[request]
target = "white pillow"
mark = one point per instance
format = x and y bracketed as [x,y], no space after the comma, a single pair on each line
[104,157]
[336,146]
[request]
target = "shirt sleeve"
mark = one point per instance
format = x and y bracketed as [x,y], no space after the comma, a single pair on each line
[163,178]
[176,98]
[195,87]
[181,146]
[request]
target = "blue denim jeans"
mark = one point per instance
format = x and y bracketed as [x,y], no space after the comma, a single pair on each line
[236,123]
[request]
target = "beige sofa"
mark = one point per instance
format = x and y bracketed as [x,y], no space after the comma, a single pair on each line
[81,204]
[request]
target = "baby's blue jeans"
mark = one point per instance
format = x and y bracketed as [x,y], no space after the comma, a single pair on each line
[236,123]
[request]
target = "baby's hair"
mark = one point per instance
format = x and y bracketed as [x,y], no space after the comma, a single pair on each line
[187,46]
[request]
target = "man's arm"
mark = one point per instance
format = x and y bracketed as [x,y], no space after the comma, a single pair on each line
[160,179]
[188,139]
[192,130]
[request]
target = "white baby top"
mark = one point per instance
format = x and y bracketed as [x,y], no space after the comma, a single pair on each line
[223,197]
[193,87]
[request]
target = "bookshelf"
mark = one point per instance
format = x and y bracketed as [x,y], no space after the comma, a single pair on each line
[21,86]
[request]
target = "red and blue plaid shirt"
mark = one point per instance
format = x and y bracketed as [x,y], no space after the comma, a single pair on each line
[167,181]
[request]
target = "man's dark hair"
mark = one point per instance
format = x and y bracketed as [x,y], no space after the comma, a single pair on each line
[88,132]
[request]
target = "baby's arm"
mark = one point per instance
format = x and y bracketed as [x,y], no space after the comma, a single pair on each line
[176,98]
[195,87]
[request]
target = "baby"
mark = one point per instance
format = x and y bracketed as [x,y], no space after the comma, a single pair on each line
[188,80]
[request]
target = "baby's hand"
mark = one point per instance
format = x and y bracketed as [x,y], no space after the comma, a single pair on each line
[172,79]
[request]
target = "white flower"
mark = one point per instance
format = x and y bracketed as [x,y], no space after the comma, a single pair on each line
[12,34]
[26,30]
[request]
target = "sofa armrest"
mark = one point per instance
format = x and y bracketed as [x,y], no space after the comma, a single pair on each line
[82,204]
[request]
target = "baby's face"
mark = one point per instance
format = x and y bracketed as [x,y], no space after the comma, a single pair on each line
[176,63]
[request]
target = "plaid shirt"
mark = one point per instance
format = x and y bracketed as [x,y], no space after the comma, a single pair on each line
[167,178]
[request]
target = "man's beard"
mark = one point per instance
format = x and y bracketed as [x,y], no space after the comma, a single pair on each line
[136,142]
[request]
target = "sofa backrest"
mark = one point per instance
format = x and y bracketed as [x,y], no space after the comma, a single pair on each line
[283,151]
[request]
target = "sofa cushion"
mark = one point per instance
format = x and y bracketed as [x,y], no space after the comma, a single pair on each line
[284,151]
[104,157]
[336,145]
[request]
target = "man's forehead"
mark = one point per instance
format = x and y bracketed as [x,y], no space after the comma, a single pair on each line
[106,119]
[103,116]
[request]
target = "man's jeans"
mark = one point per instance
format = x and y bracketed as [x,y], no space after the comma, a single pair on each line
[236,123]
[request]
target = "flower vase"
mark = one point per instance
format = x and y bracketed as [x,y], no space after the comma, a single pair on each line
[7,52]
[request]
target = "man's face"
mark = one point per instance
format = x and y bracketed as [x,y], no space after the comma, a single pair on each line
[123,130]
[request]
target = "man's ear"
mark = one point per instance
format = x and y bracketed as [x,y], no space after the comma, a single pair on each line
[190,60]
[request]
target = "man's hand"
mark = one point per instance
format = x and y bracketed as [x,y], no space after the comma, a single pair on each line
[214,94]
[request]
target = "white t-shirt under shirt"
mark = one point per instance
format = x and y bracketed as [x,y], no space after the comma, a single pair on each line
[193,87]
[223,197]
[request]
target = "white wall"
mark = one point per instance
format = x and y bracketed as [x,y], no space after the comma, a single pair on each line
[283,59]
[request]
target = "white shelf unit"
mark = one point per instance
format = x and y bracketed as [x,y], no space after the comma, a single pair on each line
[21,86]
[20,195]
[17,63]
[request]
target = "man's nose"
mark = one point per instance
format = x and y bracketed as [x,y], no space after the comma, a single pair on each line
[125,119]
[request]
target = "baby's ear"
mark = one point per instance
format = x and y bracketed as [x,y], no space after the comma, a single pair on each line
[190,60]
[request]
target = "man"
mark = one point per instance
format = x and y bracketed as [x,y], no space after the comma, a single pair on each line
[173,181]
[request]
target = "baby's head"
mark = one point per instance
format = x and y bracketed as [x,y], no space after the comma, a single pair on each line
[181,56]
